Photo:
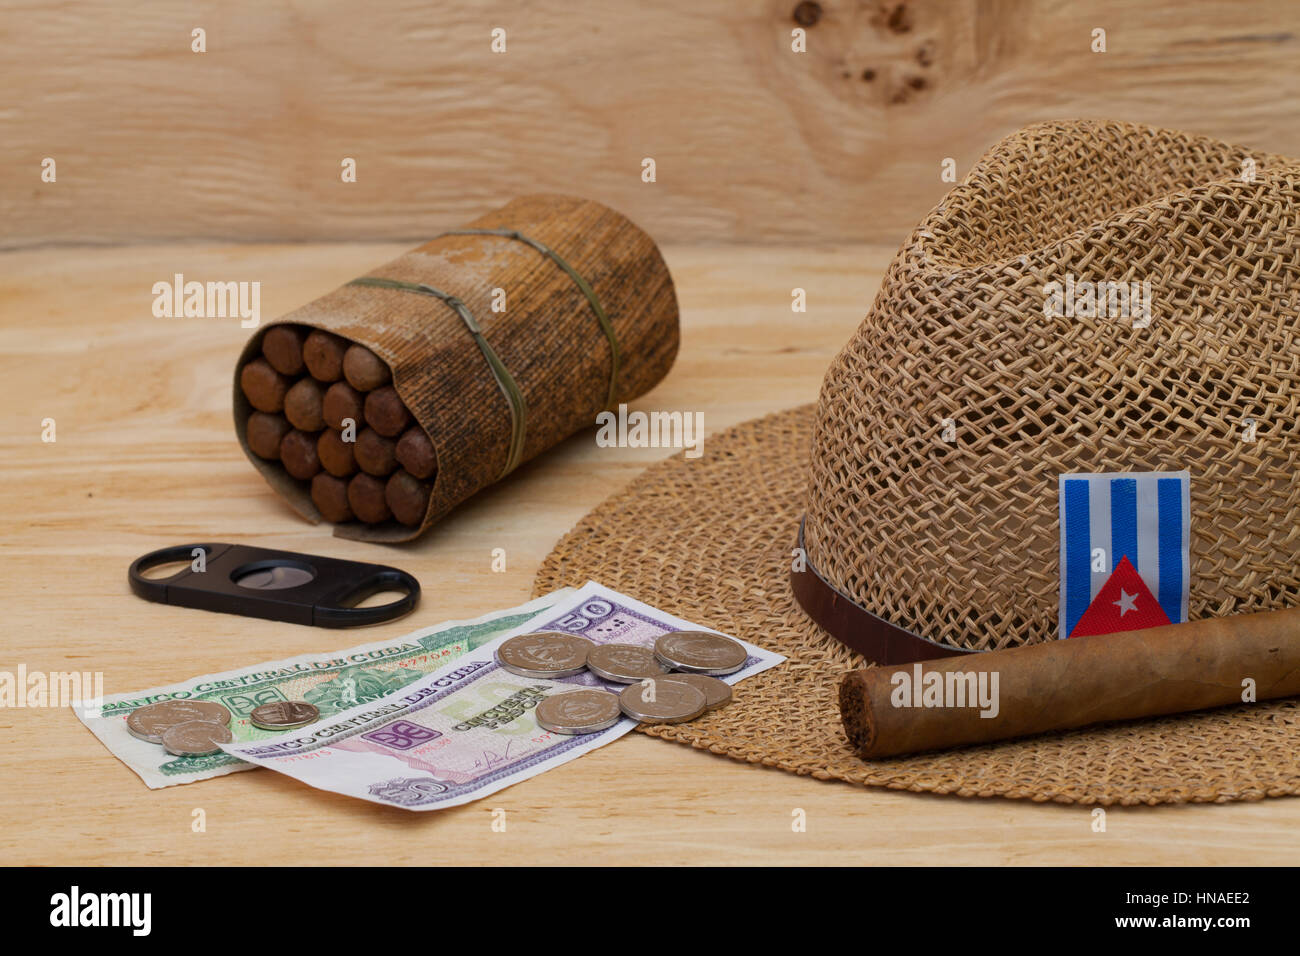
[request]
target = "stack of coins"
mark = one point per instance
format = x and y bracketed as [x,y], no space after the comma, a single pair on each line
[326,409]
[670,683]
[195,728]
[186,728]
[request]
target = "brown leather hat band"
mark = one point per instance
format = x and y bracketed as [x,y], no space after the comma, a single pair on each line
[854,626]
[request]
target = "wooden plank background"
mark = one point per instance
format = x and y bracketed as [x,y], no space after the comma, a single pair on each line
[146,457]
[752,141]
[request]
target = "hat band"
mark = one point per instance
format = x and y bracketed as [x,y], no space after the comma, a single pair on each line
[854,626]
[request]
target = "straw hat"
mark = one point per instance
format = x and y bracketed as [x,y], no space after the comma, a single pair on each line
[953,545]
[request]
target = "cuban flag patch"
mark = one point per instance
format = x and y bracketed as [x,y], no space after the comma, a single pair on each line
[1125,551]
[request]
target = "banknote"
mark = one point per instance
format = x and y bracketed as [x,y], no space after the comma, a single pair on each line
[333,682]
[467,729]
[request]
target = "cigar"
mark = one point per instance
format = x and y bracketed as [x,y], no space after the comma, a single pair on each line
[264,432]
[342,402]
[304,404]
[335,454]
[415,452]
[364,369]
[282,346]
[1060,685]
[263,386]
[366,497]
[407,497]
[323,355]
[375,454]
[330,495]
[385,412]
[298,454]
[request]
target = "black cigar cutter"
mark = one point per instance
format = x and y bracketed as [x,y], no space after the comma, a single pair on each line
[278,585]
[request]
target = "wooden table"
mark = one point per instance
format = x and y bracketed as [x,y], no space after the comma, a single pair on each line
[145,456]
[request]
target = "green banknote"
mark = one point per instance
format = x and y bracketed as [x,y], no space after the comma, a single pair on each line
[334,682]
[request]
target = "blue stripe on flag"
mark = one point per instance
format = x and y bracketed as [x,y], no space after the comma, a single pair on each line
[1169,499]
[1078,555]
[1123,521]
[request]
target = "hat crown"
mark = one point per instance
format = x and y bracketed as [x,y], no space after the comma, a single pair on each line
[974,382]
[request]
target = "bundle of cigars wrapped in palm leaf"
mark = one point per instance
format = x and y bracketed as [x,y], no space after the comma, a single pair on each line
[384,404]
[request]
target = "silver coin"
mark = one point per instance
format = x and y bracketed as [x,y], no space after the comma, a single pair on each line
[545,654]
[195,738]
[717,693]
[662,701]
[624,663]
[284,715]
[578,712]
[149,722]
[700,652]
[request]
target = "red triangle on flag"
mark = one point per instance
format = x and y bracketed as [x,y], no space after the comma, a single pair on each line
[1124,603]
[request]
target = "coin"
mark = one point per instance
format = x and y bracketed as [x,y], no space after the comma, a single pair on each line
[624,663]
[578,712]
[662,701]
[716,693]
[545,654]
[700,652]
[149,722]
[195,738]
[284,715]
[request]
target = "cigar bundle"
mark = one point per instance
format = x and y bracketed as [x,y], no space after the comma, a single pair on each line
[387,402]
[1061,685]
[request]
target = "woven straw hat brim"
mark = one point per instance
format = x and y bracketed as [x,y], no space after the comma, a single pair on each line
[711,539]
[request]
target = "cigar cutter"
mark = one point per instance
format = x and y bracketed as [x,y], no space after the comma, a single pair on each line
[277,585]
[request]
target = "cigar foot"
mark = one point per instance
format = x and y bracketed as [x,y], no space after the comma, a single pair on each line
[330,495]
[322,353]
[366,497]
[415,452]
[386,413]
[407,497]
[263,386]
[298,454]
[264,432]
[342,402]
[375,454]
[335,454]
[303,405]
[363,369]
[282,347]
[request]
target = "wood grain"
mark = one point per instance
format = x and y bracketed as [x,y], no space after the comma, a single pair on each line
[146,456]
[752,141]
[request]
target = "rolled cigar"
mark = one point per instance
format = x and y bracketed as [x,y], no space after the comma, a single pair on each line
[304,405]
[407,497]
[264,433]
[1060,685]
[366,497]
[298,454]
[330,495]
[322,353]
[335,454]
[263,386]
[386,413]
[282,346]
[342,402]
[415,452]
[364,369]
[375,454]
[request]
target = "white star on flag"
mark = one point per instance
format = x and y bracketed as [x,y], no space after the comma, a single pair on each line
[1127,602]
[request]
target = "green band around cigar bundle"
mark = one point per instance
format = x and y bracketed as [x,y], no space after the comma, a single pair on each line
[502,338]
